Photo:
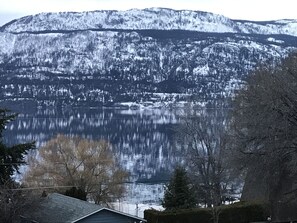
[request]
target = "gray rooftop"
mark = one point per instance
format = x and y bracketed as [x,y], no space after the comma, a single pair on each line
[57,208]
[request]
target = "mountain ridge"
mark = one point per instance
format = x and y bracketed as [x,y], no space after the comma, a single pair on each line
[150,18]
[108,66]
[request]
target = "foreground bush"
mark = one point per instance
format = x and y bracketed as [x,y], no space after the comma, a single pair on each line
[241,212]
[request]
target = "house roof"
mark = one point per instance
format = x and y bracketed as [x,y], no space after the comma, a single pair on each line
[57,208]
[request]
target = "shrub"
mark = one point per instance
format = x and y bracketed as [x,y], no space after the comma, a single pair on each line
[242,212]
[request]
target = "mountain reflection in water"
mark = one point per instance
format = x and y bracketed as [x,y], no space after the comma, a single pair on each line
[142,139]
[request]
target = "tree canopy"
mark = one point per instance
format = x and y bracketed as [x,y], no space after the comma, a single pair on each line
[75,162]
[265,128]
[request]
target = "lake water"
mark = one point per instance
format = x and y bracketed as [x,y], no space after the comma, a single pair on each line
[142,140]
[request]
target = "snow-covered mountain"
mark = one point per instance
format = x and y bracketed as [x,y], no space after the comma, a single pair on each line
[152,18]
[149,56]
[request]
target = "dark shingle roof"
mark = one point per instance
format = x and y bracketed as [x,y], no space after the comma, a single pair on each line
[56,208]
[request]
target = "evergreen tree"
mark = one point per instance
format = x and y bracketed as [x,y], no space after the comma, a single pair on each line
[179,193]
[11,157]
[13,199]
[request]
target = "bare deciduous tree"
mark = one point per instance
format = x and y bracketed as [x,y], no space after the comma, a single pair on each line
[85,164]
[264,127]
[203,138]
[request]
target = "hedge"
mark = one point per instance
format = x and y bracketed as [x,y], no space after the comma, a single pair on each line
[241,212]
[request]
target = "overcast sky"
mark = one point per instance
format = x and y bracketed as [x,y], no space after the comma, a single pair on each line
[235,9]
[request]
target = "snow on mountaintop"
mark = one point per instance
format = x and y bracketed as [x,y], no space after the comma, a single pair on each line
[151,18]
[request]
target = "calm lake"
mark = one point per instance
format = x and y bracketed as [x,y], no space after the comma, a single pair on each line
[142,139]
